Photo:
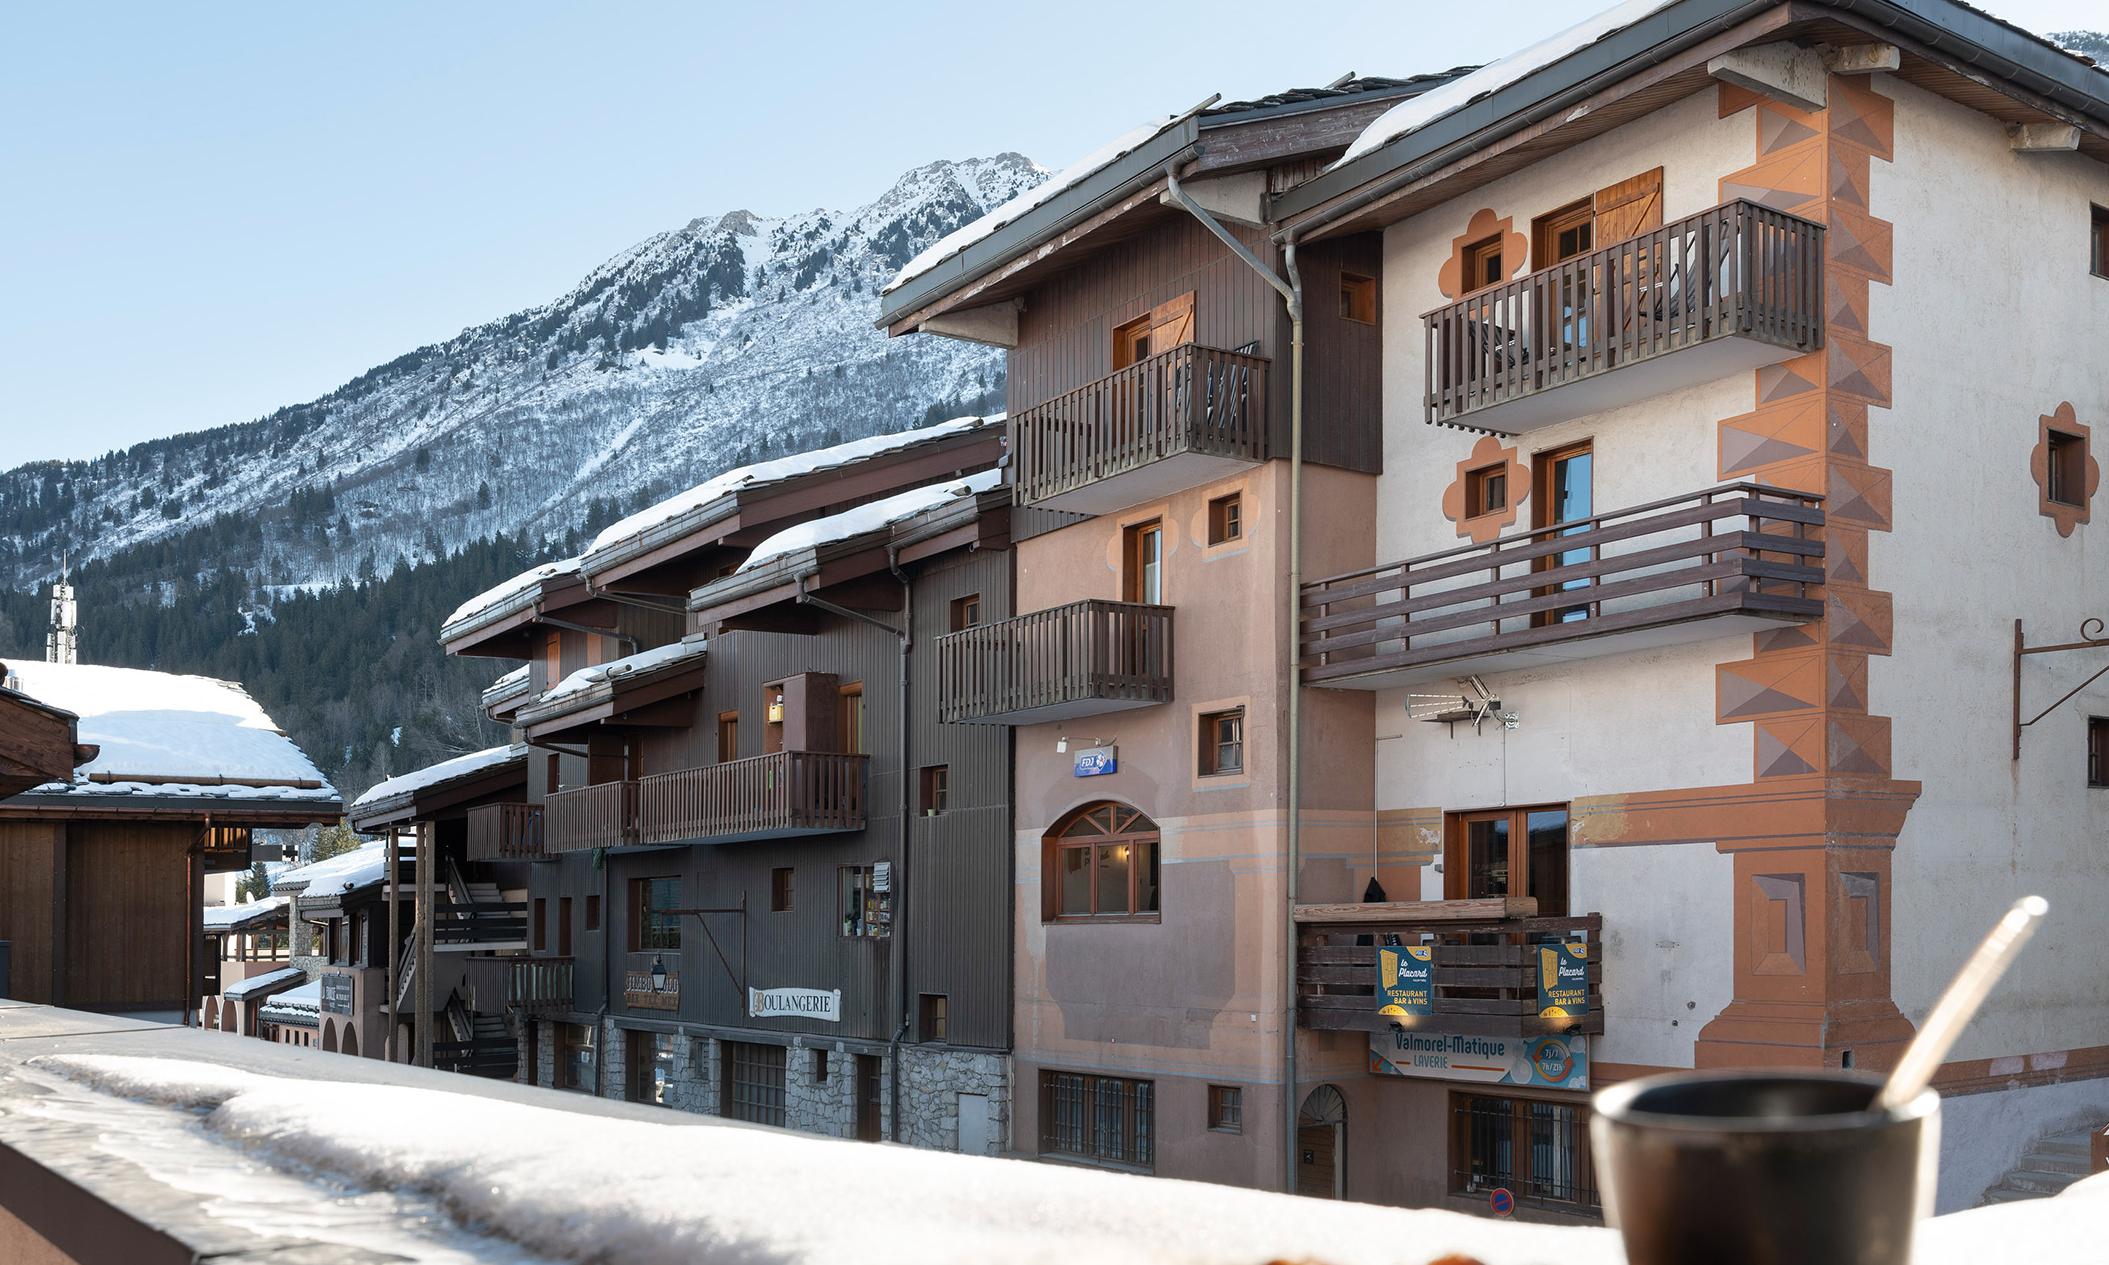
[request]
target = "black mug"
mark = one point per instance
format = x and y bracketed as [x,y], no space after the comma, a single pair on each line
[1764,1168]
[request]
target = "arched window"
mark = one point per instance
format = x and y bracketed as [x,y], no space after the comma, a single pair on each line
[1100,862]
[329,1037]
[351,1039]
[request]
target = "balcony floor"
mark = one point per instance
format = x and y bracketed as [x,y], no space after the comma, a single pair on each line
[1625,384]
[1073,709]
[1179,472]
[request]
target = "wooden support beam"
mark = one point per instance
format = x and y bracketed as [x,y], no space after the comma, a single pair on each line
[1863,59]
[2043,138]
[395,941]
[1491,909]
[59,858]
[1783,71]
[426,872]
[995,324]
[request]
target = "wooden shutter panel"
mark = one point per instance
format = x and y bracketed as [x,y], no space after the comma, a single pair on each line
[1628,208]
[1172,323]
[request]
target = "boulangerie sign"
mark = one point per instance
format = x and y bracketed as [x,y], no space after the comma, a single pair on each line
[795,1003]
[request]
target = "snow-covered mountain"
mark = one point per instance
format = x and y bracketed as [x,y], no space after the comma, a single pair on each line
[729,339]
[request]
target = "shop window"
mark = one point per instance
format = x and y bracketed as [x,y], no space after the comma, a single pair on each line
[1226,1108]
[754,1083]
[932,1014]
[1101,864]
[1222,742]
[936,794]
[864,909]
[651,1071]
[1358,298]
[654,927]
[966,612]
[1103,1119]
[577,1057]
[1226,519]
[1537,1149]
[2068,468]
[780,890]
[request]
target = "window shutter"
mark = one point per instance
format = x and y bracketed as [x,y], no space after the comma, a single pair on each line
[1628,208]
[1172,323]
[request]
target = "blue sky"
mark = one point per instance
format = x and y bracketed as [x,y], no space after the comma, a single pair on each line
[212,210]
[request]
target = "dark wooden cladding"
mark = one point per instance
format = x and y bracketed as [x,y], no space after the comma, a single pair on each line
[1484,974]
[599,816]
[1056,663]
[1343,359]
[505,832]
[1739,269]
[1742,547]
[533,986]
[1189,399]
[783,793]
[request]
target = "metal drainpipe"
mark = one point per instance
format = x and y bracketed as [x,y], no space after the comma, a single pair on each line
[1291,291]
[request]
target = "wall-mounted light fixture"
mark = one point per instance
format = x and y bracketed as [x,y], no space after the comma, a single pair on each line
[776,710]
[658,975]
[1062,745]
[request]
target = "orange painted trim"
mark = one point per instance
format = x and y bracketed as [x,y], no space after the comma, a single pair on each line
[1481,528]
[2065,515]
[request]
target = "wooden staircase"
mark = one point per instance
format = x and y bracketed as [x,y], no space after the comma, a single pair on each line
[482,1044]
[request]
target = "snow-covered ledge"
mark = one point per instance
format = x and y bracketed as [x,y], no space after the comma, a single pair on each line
[145,1141]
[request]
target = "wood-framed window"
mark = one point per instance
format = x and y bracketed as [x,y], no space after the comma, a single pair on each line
[1226,518]
[1358,298]
[553,773]
[1226,1108]
[936,789]
[1142,569]
[1563,234]
[965,612]
[578,1067]
[1487,490]
[754,1082]
[2067,482]
[651,1070]
[563,926]
[2098,751]
[850,716]
[593,912]
[1131,342]
[1102,864]
[1508,852]
[728,737]
[1101,1119]
[1170,324]
[2098,240]
[1222,742]
[860,907]
[780,890]
[1564,491]
[654,928]
[1483,264]
[1535,1147]
[932,1016]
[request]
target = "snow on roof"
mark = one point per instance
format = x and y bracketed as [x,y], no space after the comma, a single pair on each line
[869,517]
[518,676]
[307,998]
[1074,174]
[269,981]
[724,1191]
[629,665]
[222,917]
[164,734]
[763,473]
[500,595]
[444,771]
[1417,112]
[363,866]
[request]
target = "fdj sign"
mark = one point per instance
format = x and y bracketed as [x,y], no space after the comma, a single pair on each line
[1405,980]
[1096,762]
[1563,981]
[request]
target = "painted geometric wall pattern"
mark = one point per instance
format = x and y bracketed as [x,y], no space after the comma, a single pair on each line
[1769,686]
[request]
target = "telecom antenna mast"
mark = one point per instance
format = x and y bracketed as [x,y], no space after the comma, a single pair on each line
[62,643]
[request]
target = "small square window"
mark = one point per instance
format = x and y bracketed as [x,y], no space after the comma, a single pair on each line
[1226,519]
[931,1016]
[2068,468]
[2098,240]
[1358,299]
[780,890]
[2098,751]
[1226,1108]
[1486,490]
[966,612]
[1223,742]
[936,789]
[1483,264]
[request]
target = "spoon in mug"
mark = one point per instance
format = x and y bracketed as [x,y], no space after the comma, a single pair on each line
[1959,1004]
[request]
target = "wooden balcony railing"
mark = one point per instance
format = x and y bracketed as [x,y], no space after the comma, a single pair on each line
[537,985]
[1485,966]
[506,832]
[599,816]
[1188,400]
[783,793]
[1739,269]
[1076,660]
[1740,550]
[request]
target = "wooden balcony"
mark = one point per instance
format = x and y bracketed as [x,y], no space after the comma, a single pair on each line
[1484,973]
[506,832]
[1174,421]
[1082,659]
[600,816]
[1730,559]
[532,986]
[1728,289]
[771,796]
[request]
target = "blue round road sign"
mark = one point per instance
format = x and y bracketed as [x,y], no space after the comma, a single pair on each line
[1501,1201]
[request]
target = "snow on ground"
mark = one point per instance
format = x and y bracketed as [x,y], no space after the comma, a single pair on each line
[498,595]
[726,1193]
[363,865]
[642,661]
[1417,112]
[869,517]
[762,473]
[1075,173]
[445,770]
[165,734]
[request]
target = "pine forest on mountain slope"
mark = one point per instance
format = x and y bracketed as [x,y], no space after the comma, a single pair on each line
[312,554]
